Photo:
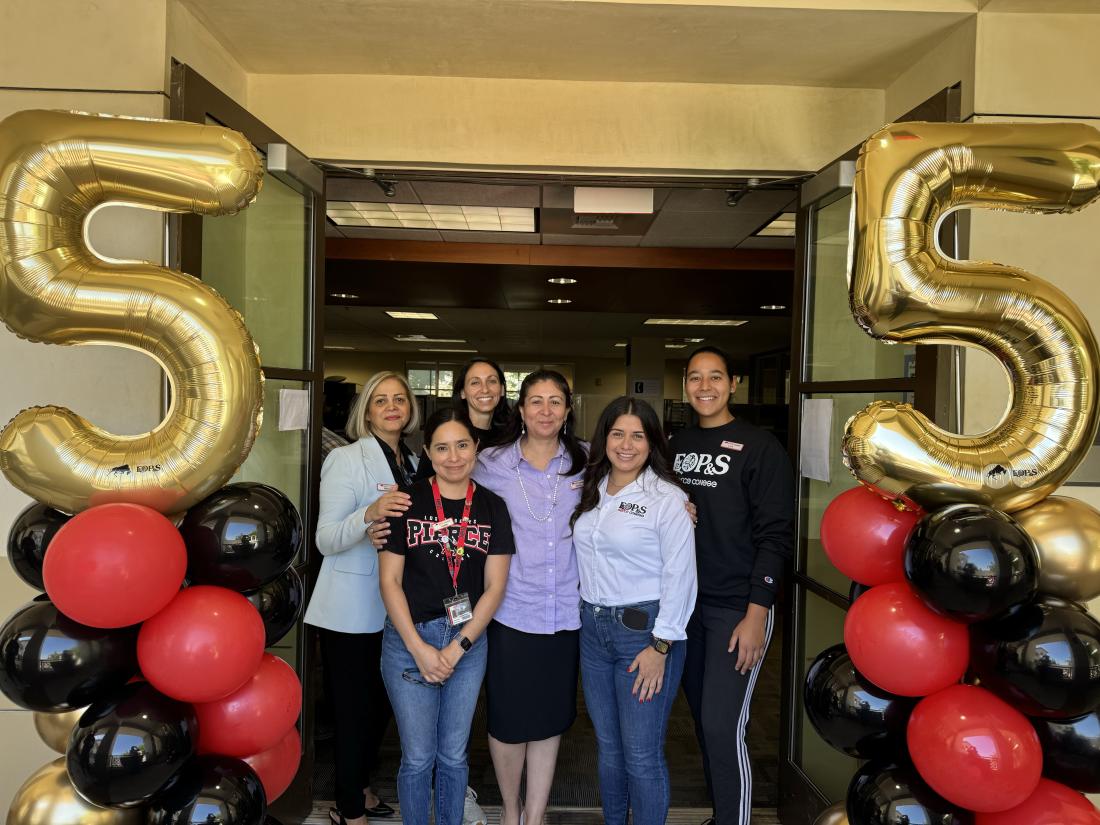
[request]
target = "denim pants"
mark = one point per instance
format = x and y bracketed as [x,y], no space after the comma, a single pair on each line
[433,721]
[630,734]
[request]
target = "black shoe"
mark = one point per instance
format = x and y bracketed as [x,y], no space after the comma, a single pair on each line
[379,811]
[336,818]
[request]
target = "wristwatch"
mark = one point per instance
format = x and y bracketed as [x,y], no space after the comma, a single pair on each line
[662,646]
[463,642]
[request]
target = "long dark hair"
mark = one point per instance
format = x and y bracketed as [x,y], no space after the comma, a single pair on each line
[599,465]
[501,412]
[568,435]
[443,416]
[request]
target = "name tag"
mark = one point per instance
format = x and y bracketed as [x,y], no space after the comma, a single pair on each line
[459,609]
[733,445]
[385,488]
[440,526]
[576,484]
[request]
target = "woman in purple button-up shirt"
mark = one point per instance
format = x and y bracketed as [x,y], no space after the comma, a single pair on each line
[531,680]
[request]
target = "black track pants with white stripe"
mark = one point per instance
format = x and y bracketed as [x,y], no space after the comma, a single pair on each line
[719,697]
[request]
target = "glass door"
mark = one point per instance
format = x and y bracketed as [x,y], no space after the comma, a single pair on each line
[267,261]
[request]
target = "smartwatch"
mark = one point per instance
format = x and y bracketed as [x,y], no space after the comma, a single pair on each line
[662,646]
[463,642]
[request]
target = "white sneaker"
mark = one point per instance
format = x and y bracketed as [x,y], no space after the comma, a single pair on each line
[471,811]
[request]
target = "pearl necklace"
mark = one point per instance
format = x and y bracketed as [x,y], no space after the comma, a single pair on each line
[553,493]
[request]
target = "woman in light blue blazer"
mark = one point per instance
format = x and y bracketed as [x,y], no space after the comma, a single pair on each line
[359,488]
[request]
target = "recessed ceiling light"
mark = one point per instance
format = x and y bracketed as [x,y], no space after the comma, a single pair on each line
[339,348]
[695,322]
[414,316]
[347,296]
[445,349]
[424,339]
[621,344]
[694,340]
[773,306]
[675,346]
[562,281]
[559,301]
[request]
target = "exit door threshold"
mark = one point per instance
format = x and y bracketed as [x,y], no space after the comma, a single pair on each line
[559,815]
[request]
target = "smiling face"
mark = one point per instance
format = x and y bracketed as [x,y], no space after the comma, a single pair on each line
[481,389]
[389,408]
[627,446]
[544,409]
[709,386]
[453,452]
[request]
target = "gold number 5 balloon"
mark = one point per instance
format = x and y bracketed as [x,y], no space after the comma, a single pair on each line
[55,168]
[904,290]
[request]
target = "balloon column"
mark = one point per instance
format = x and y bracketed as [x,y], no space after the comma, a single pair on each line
[970,670]
[144,661]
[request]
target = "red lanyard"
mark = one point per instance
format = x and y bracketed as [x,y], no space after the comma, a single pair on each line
[454,557]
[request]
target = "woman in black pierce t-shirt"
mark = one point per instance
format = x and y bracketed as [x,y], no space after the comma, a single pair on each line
[442,576]
[740,479]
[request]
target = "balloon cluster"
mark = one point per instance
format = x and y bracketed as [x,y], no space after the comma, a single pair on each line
[144,661]
[969,676]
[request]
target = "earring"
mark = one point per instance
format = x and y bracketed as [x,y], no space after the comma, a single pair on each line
[522,428]
[565,429]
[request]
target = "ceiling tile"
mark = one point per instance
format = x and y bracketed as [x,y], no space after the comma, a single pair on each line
[476,194]
[392,234]
[590,240]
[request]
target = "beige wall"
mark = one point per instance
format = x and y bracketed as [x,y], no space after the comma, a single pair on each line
[192,43]
[949,62]
[548,123]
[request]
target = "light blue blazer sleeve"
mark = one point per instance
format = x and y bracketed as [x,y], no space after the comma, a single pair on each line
[346,597]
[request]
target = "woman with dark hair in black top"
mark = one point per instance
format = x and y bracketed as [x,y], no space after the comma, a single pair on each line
[479,387]
[740,478]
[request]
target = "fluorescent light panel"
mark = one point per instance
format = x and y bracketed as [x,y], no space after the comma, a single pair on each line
[695,322]
[445,349]
[414,316]
[432,216]
[782,227]
[424,339]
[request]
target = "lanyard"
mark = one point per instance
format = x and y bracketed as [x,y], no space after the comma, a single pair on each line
[454,557]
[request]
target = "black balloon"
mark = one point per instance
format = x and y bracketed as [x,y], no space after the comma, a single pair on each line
[849,712]
[1043,658]
[30,536]
[241,537]
[128,746]
[211,790]
[885,793]
[971,562]
[279,603]
[1071,751]
[857,590]
[48,662]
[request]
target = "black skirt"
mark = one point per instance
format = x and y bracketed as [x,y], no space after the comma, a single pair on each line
[531,683]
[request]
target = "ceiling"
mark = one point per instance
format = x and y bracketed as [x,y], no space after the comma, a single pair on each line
[542,335]
[866,45]
[683,217]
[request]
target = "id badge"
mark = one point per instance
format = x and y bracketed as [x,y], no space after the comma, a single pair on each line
[459,610]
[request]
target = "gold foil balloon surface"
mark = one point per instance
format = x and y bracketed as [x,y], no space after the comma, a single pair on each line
[833,815]
[48,798]
[1067,534]
[55,168]
[54,728]
[903,290]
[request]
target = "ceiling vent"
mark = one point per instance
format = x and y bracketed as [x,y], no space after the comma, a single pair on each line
[606,223]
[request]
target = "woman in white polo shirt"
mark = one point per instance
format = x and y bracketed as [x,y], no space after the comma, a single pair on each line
[636,557]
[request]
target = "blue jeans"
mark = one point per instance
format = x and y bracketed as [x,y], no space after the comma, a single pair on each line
[433,721]
[630,734]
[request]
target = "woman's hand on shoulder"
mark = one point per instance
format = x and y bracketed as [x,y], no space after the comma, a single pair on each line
[693,512]
[393,503]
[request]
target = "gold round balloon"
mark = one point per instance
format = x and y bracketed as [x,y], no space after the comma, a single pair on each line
[1067,534]
[54,728]
[833,815]
[55,168]
[48,798]
[903,290]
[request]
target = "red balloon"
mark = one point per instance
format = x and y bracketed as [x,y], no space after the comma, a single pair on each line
[975,749]
[203,646]
[864,536]
[255,717]
[1051,804]
[277,766]
[901,645]
[114,565]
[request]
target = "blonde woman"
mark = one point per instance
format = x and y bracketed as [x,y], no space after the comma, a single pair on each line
[359,488]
